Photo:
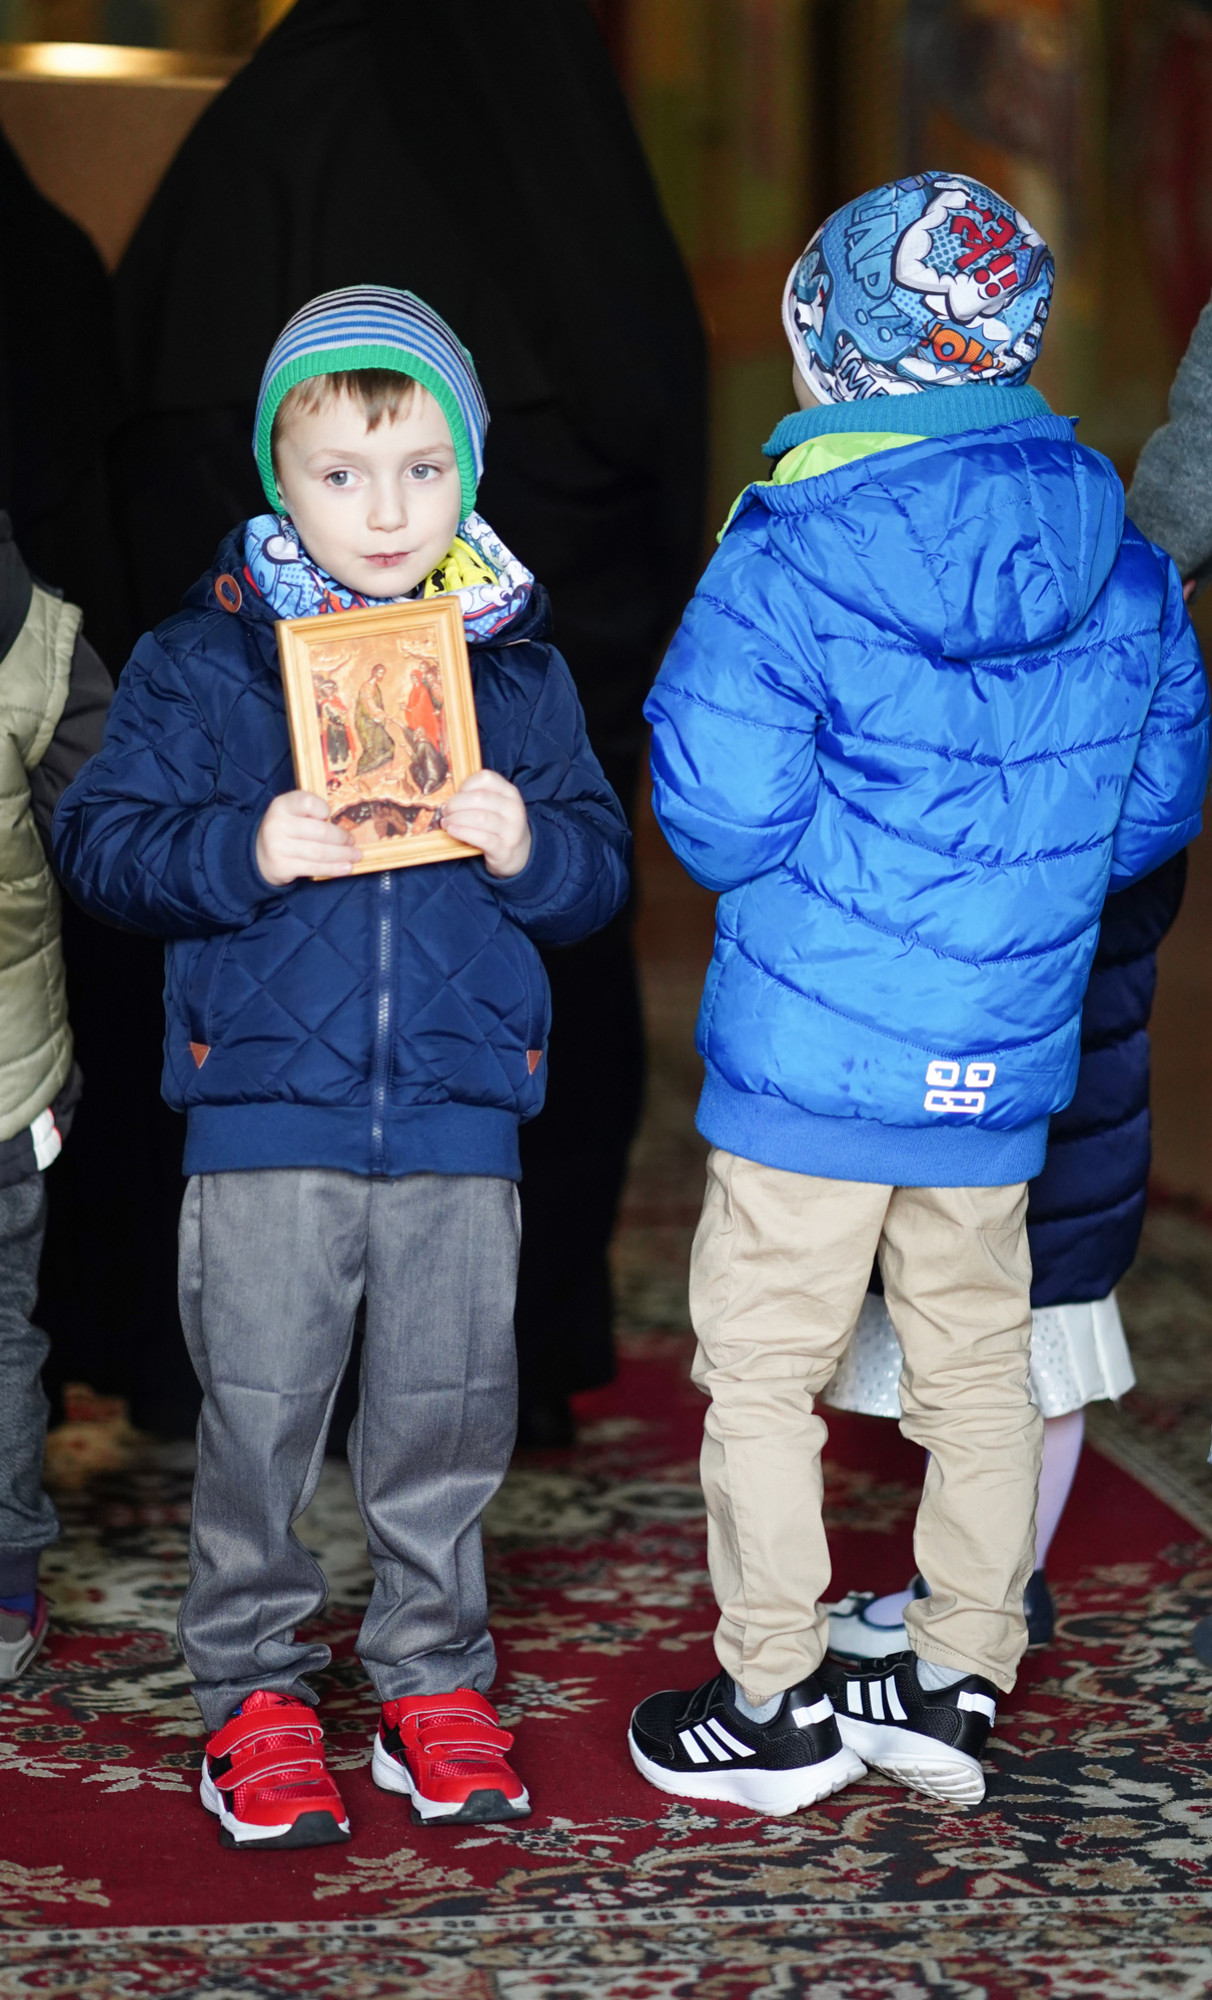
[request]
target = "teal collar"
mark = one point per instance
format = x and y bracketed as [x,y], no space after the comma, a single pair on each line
[978,406]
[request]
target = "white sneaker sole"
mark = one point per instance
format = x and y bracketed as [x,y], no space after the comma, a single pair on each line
[915,1761]
[775,1792]
[240,1833]
[15,1657]
[390,1776]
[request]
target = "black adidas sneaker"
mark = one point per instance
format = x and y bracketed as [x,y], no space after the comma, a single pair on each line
[930,1741]
[700,1746]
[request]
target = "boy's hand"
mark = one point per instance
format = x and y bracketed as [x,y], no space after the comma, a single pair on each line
[297,838]
[489,813]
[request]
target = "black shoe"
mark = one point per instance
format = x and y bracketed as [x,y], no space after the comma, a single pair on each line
[700,1746]
[546,1425]
[930,1741]
[1039,1610]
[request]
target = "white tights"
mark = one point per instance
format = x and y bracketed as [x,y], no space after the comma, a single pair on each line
[1062,1449]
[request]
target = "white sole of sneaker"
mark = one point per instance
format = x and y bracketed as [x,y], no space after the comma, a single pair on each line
[392,1777]
[15,1658]
[242,1835]
[775,1792]
[915,1761]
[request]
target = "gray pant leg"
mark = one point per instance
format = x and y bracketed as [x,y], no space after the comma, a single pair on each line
[28,1521]
[436,1423]
[271,1272]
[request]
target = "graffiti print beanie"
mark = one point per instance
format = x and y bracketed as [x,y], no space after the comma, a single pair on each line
[375,326]
[929,282]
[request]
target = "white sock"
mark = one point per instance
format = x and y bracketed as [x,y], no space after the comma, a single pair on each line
[759,1711]
[936,1678]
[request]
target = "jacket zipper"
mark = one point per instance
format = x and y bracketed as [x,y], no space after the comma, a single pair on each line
[378,1150]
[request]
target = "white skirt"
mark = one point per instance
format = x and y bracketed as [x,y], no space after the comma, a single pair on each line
[1078,1355]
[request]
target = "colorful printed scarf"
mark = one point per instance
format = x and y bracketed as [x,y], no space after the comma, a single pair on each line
[490,583]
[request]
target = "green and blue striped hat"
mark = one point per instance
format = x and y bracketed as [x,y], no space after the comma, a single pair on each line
[375,326]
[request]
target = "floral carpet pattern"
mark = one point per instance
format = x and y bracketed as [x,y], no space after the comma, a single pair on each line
[1087,1872]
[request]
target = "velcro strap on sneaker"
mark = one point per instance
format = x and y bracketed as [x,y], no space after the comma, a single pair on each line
[294,1716]
[820,1711]
[482,1736]
[977,1704]
[306,1763]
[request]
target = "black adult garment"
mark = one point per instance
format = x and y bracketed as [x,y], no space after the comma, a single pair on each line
[107,1286]
[480,154]
[59,402]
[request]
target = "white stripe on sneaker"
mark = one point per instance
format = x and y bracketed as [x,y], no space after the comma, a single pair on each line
[854,1697]
[708,1740]
[980,1703]
[896,1707]
[737,1749]
[876,1696]
[691,1748]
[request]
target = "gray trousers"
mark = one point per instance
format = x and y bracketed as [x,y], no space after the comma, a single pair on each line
[273,1265]
[27,1519]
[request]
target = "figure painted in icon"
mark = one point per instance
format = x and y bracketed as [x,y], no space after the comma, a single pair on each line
[336,740]
[424,732]
[370,724]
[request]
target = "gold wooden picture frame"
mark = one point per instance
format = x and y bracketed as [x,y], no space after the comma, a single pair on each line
[383,723]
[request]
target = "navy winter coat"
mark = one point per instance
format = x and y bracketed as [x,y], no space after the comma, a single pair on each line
[1085,1211]
[921,713]
[386,1024]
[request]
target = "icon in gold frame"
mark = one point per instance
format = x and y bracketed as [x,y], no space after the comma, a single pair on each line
[383,723]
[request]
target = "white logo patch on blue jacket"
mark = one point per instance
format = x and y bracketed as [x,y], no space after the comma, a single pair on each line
[942,1077]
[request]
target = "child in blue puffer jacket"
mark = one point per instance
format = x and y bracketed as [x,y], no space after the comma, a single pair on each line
[354,1055]
[931,699]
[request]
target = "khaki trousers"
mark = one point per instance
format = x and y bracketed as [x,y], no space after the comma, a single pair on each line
[780,1264]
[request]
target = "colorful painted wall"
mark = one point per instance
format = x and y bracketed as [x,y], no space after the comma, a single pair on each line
[721,91]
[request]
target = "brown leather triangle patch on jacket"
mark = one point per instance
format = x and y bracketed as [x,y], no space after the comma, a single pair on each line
[199,1051]
[533,1058]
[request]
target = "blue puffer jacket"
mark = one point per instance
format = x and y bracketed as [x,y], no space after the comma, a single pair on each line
[921,713]
[385,1024]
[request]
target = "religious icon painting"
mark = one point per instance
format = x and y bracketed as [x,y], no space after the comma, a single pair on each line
[383,723]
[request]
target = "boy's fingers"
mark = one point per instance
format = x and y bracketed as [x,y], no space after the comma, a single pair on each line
[303,805]
[321,832]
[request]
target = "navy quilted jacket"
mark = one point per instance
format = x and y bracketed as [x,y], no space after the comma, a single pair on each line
[1085,1210]
[921,713]
[386,1024]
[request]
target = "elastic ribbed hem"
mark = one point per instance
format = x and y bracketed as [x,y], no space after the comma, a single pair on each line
[979,406]
[423,1139]
[778,1134]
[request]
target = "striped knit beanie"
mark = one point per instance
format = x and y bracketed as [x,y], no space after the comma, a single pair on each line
[374,326]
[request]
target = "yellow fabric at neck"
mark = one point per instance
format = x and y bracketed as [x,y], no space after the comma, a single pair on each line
[822,454]
[825,454]
[461,568]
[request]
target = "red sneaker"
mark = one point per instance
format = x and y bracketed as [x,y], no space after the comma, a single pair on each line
[264,1776]
[447,1752]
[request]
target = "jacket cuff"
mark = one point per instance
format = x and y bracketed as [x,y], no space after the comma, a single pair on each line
[237,886]
[537,885]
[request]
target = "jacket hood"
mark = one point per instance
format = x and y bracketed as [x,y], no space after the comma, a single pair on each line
[978,544]
[532,621]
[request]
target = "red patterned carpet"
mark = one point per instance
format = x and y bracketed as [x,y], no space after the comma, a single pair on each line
[1085,1872]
